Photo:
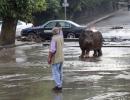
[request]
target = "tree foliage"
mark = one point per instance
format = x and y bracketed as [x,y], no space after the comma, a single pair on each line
[53,11]
[20,9]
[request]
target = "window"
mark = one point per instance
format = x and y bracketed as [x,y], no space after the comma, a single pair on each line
[65,25]
[50,25]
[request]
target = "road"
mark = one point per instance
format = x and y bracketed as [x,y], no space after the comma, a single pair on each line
[25,74]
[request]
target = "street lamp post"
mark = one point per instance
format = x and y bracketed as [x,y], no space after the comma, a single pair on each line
[65,13]
[65,4]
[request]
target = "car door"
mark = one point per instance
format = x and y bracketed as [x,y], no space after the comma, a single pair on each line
[48,30]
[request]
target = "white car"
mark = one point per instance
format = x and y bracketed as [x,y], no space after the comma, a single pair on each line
[20,25]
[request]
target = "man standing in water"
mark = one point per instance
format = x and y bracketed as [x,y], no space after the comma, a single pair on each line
[56,57]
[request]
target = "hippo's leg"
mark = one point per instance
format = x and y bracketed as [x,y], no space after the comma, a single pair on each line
[87,54]
[83,53]
[95,53]
[99,52]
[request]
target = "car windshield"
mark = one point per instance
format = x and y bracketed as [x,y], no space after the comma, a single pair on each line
[50,25]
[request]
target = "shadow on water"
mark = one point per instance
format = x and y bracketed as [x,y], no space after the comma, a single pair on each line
[90,59]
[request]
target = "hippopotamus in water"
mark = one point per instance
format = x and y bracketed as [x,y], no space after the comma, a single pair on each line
[89,40]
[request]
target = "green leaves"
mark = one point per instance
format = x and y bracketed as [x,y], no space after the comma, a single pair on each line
[53,6]
[38,5]
[21,9]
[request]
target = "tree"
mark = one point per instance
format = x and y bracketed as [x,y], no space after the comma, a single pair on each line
[13,10]
[89,6]
[53,11]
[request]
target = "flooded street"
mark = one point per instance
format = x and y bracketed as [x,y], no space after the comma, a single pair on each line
[26,75]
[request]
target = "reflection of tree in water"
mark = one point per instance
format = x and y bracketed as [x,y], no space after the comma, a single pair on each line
[7,55]
[36,54]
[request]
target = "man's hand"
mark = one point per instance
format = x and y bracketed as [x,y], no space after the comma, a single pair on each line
[50,58]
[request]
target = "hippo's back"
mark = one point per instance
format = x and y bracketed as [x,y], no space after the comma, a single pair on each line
[91,40]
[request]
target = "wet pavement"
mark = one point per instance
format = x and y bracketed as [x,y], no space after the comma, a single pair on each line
[25,74]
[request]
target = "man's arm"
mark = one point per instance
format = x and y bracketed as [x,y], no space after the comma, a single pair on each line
[50,57]
[51,51]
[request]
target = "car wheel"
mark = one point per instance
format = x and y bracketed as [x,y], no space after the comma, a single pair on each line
[38,39]
[32,36]
[71,35]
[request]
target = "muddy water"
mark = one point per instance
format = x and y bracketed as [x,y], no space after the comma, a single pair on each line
[25,74]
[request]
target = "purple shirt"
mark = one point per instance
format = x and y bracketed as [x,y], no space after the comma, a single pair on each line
[53,43]
[53,46]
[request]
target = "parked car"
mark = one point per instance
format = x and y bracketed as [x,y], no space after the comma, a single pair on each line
[70,29]
[20,25]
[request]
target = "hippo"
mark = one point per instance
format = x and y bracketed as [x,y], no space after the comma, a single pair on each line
[89,40]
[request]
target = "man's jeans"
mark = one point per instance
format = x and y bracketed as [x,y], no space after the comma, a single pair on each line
[57,72]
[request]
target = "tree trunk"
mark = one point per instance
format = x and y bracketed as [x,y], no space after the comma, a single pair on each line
[8,31]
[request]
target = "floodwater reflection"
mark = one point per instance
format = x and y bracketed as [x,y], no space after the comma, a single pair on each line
[7,55]
[111,96]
